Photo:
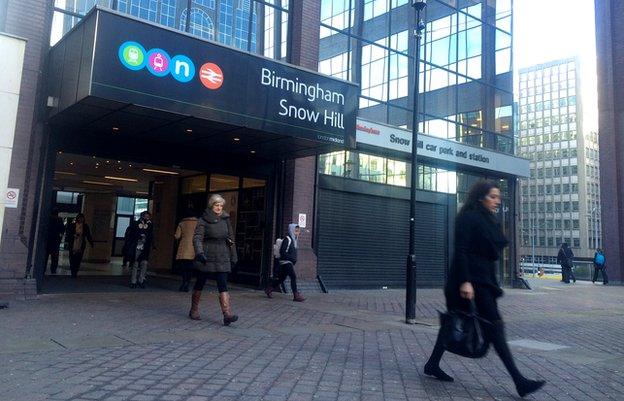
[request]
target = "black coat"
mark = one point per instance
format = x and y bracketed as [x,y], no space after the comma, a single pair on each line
[139,231]
[214,238]
[565,257]
[479,241]
[56,229]
[71,233]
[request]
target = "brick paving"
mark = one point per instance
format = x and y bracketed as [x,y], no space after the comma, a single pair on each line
[346,345]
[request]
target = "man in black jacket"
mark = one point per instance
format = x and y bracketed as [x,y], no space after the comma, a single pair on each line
[565,258]
[56,229]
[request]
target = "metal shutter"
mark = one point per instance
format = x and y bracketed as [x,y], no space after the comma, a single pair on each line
[362,241]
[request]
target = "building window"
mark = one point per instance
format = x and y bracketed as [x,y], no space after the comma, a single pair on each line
[232,22]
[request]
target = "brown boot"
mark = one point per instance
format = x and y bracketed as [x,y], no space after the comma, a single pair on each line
[297,297]
[194,312]
[228,317]
[269,291]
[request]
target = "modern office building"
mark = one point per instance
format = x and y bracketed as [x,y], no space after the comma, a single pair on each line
[293,110]
[610,55]
[560,201]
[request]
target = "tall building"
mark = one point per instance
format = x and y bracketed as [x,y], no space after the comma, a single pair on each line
[560,201]
[292,110]
[610,57]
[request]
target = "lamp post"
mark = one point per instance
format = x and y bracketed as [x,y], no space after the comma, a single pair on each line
[410,287]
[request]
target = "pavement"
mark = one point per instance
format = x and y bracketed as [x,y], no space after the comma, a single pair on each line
[103,341]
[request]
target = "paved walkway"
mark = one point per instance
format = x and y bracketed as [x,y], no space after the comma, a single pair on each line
[347,345]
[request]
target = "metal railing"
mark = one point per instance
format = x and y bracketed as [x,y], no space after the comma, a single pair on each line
[583,270]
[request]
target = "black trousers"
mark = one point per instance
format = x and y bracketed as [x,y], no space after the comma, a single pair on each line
[487,308]
[286,270]
[601,269]
[185,267]
[568,274]
[220,277]
[53,254]
[75,259]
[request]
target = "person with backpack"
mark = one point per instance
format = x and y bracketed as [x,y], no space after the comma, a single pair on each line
[287,259]
[599,265]
[565,258]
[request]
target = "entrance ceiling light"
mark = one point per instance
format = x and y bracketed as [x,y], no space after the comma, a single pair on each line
[253,152]
[236,139]
[151,170]
[115,128]
[110,177]
[189,130]
[98,183]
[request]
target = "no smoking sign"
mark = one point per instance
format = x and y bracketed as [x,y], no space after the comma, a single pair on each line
[11,197]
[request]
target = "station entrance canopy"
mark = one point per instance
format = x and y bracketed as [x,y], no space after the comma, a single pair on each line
[114,73]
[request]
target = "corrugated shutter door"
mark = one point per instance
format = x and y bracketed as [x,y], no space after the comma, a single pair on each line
[362,241]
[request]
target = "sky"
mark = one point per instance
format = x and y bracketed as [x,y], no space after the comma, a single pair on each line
[546,30]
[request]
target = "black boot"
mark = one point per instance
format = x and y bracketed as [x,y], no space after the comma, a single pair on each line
[524,386]
[432,367]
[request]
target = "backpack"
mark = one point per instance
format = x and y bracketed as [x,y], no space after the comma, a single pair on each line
[600,259]
[278,245]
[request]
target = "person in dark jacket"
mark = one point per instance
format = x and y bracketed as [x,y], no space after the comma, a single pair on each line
[599,266]
[56,229]
[479,242]
[215,255]
[140,246]
[78,234]
[565,258]
[125,250]
[287,261]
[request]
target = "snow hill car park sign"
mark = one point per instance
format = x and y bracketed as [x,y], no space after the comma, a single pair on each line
[155,67]
[399,139]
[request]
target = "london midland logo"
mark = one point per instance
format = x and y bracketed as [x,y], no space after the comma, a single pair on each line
[158,62]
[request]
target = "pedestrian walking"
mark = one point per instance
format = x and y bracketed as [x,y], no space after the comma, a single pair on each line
[215,255]
[126,252]
[185,256]
[600,266]
[56,229]
[287,261]
[78,234]
[565,258]
[479,242]
[141,242]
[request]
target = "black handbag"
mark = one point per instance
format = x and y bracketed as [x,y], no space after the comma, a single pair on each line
[462,333]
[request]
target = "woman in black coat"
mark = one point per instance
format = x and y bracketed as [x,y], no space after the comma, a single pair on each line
[78,233]
[478,244]
[215,254]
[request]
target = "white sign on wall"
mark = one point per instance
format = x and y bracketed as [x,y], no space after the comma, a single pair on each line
[394,138]
[11,198]
[302,220]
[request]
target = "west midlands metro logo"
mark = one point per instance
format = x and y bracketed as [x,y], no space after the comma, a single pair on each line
[134,57]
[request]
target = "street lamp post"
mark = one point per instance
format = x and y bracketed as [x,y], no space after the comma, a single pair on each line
[410,287]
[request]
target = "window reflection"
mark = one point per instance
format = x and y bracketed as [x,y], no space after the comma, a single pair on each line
[384,170]
[232,22]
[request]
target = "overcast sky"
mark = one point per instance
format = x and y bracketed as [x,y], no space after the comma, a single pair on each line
[546,30]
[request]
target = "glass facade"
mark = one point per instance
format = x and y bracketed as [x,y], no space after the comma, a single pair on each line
[251,25]
[466,80]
